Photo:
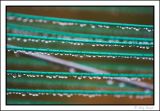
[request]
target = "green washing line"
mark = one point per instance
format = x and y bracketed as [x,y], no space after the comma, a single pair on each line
[69,34]
[80,74]
[76,21]
[15,48]
[141,93]
[12,35]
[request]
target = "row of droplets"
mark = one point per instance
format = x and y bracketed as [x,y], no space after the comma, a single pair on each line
[74,77]
[25,20]
[82,44]
[75,38]
[82,56]
[70,95]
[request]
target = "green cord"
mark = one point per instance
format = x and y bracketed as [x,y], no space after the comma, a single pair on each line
[15,48]
[12,35]
[142,93]
[41,30]
[80,74]
[76,21]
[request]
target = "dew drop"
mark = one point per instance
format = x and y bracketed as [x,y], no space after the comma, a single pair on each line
[121,85]
[61,95]
[130,97]
[110,82]
[92,26]
[23,94]
[90,78]
[9,39]
[24,40]
[79,78]
[117,96]
[68,95]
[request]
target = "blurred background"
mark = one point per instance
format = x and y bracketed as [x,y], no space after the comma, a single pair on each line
[133,15]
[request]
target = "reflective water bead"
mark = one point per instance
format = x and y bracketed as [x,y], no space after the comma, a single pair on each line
[110,82]
[92,26]
[40,21]
[10,18]
[19,75]
[122,46]
[30,20]
[100,26]
[81,56]
[18,39]
[23,94]
[72,70]
[35,94]
[149,30]
[117,96]
[14,77]
[24,40]
[61,54]
[53,94]
[24,20]
[62,23]
[9,39]
[121,85]
[130,96]
[83,25]
[59,94]
[91,96]
[107,27]
[79,78]
[69,95]
[90,77]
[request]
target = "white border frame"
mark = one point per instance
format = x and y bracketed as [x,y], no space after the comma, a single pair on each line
[79,107]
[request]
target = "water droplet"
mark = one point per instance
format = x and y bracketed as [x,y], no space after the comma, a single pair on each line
[14,77]
[121,85]
[110,82]
[69,95]
[9,39]
[81,56]
[79,78]
[10,18]
[24,20]
[61,95]
[90,78]
[130,97]
[72,70]
[92,26]
[122,46]
[24,40]
[23,94]
[83,25]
